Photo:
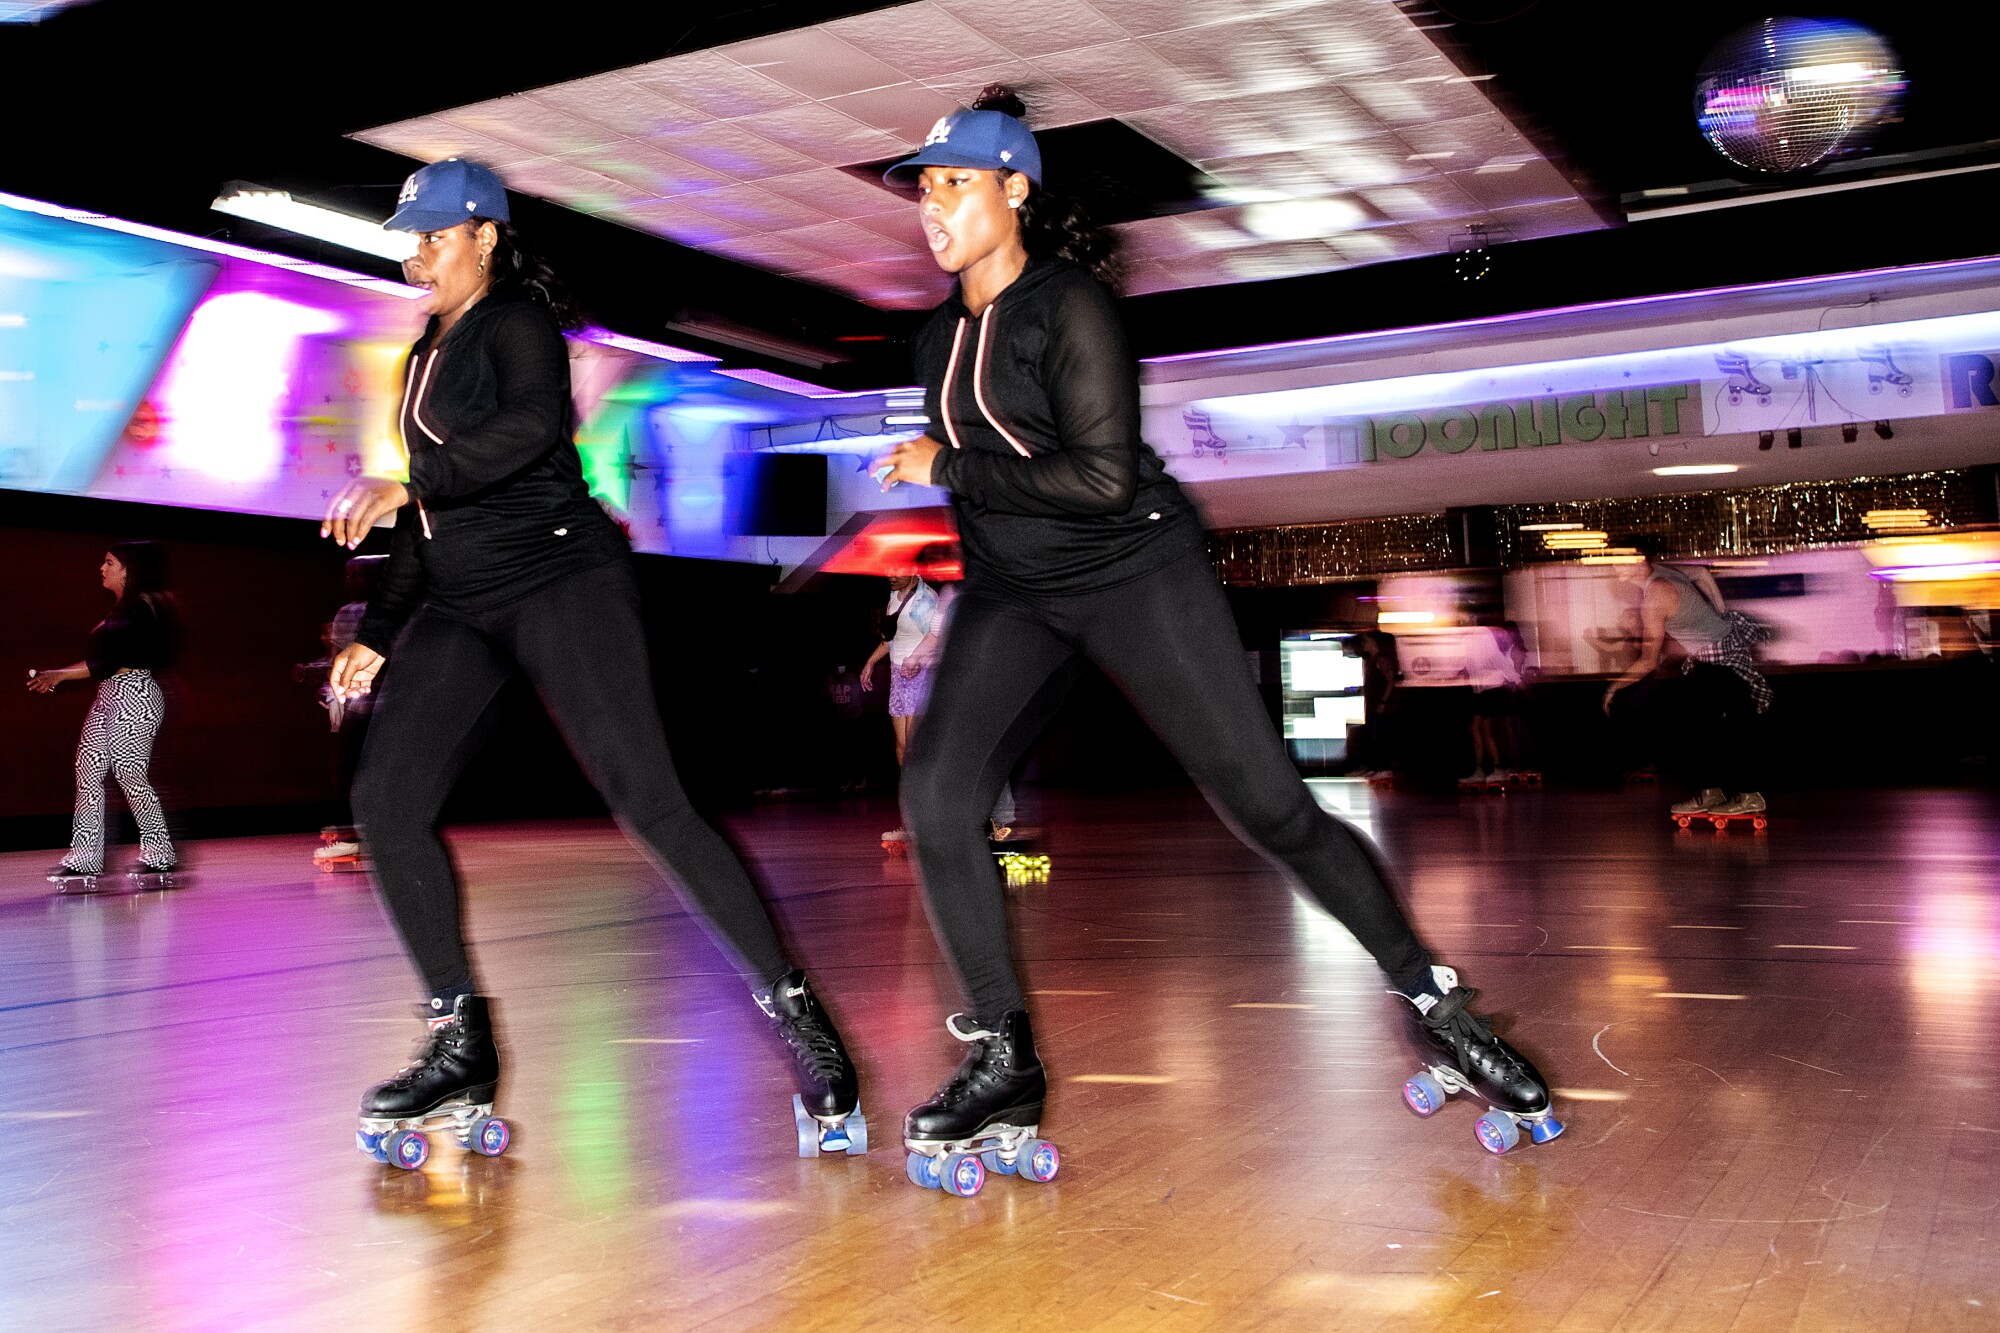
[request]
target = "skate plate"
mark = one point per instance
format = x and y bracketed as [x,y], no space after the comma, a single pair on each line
[1498,1130]
[78,884]
[961,1166]
[149,881]
[1757,819]
[1484,786]
[406,1143]
[840,1133]
[341,865]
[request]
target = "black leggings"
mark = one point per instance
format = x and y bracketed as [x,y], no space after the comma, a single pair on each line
[581,645]
[1169,641]
[1715,717]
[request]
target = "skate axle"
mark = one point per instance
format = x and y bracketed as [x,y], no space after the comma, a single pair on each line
[961,1166]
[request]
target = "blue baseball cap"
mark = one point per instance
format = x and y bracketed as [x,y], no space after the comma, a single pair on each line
[447,193]
[988,140]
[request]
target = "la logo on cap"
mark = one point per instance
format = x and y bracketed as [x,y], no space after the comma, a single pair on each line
[409,191]
[940,132]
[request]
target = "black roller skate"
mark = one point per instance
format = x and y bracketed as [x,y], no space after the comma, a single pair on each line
[144,877]
[450,1086]
[983,1120]
[69,880]
[827,1107]
[1476,1061]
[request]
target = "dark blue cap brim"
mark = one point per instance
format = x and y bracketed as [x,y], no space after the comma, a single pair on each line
[904,174]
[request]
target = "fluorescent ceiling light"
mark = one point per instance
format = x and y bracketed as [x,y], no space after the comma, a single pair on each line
[1551,527]
[275,208]
[1694,470]
[645,346]
[907,419]
[1302,219]
[1406,618]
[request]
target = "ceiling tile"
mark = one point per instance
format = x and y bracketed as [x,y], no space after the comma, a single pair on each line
[714,84]
[433,138]
[1050,101]
[522,120]
[676,219]
[1239,59]
[661,175]
[733,148]
[814,61]
[1378,245]
[1123,76]
[823,136]
[1529,183]
[1548,219]
[1143,18]
[633,110]
[840,195]
[750,209]
[769,251]
[906,110]
[920,40]
[850,243]
[585,191]
[1435,198]
[1036,27]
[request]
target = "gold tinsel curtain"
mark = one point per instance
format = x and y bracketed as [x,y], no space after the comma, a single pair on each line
[1761,520]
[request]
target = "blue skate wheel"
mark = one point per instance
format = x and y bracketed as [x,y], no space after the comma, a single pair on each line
[808,1128]
[408,1149]
[1039,1161]
[1541,1131]
[857,1133]
[1497,1132]
[489,1136]
[962,1174]
[995,1164]
[922,1171]
[1424,1094]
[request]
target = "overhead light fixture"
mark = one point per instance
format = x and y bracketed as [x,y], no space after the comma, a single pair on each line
[907,419]
[1794,439]
[1896,520]
[1695,470]
[1406,618]
[1302,219]
[1849,432]
[276,208]
[1765,439]
[1884,429]
[1550,527]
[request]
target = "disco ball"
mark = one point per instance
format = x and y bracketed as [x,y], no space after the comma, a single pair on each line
[1786,94]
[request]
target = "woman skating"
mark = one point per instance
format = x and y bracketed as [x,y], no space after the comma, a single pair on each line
[503,563]
[128,649]
[1078,543]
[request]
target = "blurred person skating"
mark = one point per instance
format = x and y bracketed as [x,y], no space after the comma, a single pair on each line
[1381,673]
[911,648]
[347,715]
[1496,684]
[503,563]
[1721,691]
[1077,543]
[128,649]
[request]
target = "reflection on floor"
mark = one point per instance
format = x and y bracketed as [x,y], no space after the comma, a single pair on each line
[1777,1054]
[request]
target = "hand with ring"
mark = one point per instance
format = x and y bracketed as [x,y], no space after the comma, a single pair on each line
[359,506]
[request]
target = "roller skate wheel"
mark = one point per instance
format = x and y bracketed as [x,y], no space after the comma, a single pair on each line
[962,1174]
[1424,1094]
[408,1149]
[1541,1131]
[1039,1161]
[1497,1133]
[995,1164]
[489,1136]
[1683,820]
[922,1171]
[1760,823]
[857,1133]
[808,1128]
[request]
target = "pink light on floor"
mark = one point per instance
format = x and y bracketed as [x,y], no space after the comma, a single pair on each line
[227,390]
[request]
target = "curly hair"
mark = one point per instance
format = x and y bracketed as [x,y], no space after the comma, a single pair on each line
[1052,225]
[519,269]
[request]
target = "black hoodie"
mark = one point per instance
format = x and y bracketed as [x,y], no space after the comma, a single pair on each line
[1037,404]
[498,505]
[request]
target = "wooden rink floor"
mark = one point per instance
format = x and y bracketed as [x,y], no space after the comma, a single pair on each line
[1776,1054]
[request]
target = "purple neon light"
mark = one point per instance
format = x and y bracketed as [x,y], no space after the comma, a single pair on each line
[770,379]
[1553,312]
